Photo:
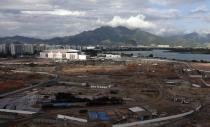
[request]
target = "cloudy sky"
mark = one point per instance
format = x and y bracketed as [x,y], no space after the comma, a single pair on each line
[51,18]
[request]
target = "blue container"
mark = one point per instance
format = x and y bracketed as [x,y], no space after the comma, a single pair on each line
[103,116]
[93,115]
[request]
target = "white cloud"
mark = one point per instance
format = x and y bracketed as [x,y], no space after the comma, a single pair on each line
[204,31]
[91,0]
[48,18]
[161,13]
[131,22]
[9,25]
[117,4]
[59,12]
[160,2]
[175,2]
[165,31]
[200,9]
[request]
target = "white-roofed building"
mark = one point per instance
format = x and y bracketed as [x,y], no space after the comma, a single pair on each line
[112,56]
[82,57]
[69,54]
[136,109]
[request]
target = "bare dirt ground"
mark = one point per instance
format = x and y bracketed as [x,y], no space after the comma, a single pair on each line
[202,66]
[142,84]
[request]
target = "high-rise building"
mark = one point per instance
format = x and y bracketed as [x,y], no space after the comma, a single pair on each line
[28,49]
[3,49]
[16,49]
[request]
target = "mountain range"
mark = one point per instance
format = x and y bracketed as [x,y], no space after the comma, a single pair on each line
[110,36]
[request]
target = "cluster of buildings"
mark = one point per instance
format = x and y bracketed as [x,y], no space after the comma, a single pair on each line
[50,51]
[55,52]
[16,49]
[109,56]
[63,54]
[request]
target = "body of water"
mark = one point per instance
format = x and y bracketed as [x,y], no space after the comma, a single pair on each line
[169,55]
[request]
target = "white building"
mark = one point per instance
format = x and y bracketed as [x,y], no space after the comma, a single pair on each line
[90,47]
[208,45]
[112,56]
[72,55]
[68,54]
[163,46]
[179,46]
[82,57]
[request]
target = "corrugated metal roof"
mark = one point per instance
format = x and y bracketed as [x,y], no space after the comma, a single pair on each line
[17,111]
[71,118]
[136,109]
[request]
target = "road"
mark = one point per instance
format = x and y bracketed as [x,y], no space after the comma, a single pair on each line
[158,119]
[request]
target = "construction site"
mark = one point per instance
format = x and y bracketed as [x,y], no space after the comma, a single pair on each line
[104,93]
